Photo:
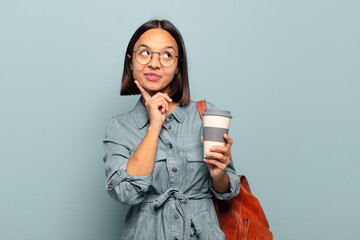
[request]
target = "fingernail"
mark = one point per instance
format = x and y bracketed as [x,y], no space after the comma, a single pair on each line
[207,153]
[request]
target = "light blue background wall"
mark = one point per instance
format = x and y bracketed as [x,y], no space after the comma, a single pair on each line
[288,71]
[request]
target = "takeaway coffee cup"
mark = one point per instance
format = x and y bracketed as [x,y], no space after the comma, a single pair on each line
[216,123]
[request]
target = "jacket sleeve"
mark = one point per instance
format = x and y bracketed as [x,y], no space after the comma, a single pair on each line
[234,181]
[121,186]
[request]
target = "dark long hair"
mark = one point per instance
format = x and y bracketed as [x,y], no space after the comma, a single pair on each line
[179,86]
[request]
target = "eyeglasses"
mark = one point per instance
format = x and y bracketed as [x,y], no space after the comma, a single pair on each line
[144,56]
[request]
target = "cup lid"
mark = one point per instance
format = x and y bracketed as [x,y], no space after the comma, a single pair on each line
[217,112]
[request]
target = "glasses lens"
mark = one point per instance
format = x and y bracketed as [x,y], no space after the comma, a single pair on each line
[143,56]
[167,59]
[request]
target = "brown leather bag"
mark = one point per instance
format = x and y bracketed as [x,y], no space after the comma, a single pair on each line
[242,217]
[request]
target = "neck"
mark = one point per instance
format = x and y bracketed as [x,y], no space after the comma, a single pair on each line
[172,107]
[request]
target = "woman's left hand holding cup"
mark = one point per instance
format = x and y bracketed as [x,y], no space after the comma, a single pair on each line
[220,158]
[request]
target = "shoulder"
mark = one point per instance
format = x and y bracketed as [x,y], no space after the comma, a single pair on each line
[209,105]
[193,111]
[118,121]
[193,104]
[123,117]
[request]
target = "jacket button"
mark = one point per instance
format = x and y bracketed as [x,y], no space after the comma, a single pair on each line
[174,170]
[110,186]
[176,217]
[170,127]
[171,116]
[170,145]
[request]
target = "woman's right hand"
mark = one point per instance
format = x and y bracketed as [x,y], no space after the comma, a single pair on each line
[156,106]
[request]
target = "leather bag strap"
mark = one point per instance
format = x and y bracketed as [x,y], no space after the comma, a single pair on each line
[201,105]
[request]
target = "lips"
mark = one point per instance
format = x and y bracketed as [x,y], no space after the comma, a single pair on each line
[152,77]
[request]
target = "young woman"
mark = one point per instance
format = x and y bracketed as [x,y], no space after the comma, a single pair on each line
[154,154]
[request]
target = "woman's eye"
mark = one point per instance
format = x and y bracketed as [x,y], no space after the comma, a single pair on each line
[145,52]
[167,55]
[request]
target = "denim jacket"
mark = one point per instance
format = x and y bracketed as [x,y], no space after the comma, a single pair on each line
[175,200]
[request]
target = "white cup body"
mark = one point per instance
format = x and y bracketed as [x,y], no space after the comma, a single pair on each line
[214,125]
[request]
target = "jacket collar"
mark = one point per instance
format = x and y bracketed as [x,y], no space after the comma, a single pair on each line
[142,117]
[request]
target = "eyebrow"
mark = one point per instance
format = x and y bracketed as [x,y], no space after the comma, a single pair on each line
[143,45]
[146,46]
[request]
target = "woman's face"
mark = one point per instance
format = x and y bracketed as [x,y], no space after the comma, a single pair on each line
[153,76]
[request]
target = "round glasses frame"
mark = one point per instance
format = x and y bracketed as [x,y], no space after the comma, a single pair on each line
[151,56]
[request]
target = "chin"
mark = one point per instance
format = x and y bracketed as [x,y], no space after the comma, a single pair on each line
[152,86]
[152,90]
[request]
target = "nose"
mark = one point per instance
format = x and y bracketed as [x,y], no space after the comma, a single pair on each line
[155,60]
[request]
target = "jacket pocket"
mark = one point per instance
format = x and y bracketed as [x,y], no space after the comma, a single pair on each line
[197,172]
[160,172]
[143,229]
[205,228]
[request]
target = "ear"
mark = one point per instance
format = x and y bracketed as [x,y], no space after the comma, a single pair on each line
[177,69]
[130,64]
